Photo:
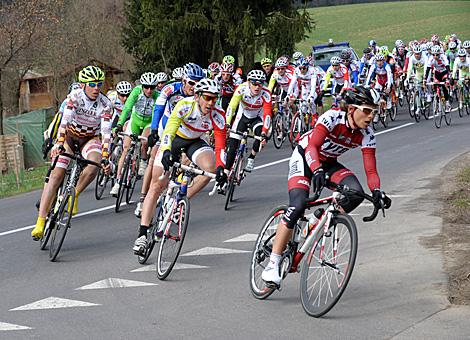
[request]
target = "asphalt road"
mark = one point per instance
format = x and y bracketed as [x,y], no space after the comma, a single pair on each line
[397,290]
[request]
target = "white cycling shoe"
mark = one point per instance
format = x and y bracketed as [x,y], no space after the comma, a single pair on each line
[140,245]
[142,167]
[138,210]
[115,189]
[250,165]
[271,275]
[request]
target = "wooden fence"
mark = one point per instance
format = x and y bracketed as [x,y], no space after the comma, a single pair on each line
[11,155]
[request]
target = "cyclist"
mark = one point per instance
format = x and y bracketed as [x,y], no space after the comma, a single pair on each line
[440,66]
[416,70]
[340,74]
[191,118]
[353,69]
[169,97]
[282,76]
[381,72]
[366,61]
[162,79]
[451,53]
[267,65]
[316,155]
[214,69]
[228,59]
[227,84]
[295,58]
[461,66]
[373,47]
[254,104]
[177,74]
[140,105]
[118,98]
[466,46]
[87,115]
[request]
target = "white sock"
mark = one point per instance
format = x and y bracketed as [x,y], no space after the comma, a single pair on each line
[274,260]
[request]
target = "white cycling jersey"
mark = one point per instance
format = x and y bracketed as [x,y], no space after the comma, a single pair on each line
[118,105]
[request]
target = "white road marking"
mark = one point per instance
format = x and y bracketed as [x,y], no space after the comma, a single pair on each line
[244,238]
[151,267]
[122,204]
[11,327]
[215,251]
[115,283]
[53,303]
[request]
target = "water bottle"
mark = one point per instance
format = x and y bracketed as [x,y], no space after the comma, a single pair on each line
[312,221]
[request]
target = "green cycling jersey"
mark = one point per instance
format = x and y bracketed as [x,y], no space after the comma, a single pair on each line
[140,106]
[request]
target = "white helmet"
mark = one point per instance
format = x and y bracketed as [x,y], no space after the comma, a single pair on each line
[256,75]
[123,87]
[335,60]
[207,85]
[297,55]
[148,79]
[282,62]
[417,49]
[380,57]
[399,43]
[436,49]
[452,45]
[178,73]
[466,44]
[462,53]
[162,77]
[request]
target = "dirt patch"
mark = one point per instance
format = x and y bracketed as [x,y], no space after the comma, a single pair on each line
[453,190]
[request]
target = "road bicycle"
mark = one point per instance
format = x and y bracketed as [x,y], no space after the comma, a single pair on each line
[60,215]
[326,240]
[302,121]
[281,122]
[237,173]
[418,105]
[129,173]
[463,97]
[381,115]
[439,105]
[102,179]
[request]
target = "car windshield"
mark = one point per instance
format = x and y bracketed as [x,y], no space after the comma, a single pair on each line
[323,57]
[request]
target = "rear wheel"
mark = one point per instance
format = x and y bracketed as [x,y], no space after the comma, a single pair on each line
[328,267]
[436,105]
[172,240]
[236,175]
[460,102]
[262,252]
[62,223]
[123,183]
[295,130]
[417,109]
[393,112]
[100,184]
[447,114]
[132,178]
[278,131]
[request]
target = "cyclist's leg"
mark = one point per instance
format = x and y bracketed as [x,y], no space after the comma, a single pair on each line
[204,157]
[130,128]
[144,145]
[147,177]
[239,125]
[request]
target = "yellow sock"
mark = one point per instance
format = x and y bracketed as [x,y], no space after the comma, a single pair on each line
[75,204]
[39,228]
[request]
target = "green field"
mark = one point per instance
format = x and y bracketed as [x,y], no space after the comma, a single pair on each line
[29,180]
[387,22]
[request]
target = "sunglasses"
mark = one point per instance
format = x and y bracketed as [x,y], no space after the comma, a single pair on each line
[123,95]
[208,98]
[302,68]
[94,84]
[191,82]
[366,109]
[281,68]
[256,83]
[152,87]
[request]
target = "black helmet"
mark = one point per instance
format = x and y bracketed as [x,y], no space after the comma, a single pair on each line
[367,50]
[361,95]
[345,54]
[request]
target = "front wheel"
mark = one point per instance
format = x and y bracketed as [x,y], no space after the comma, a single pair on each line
[278,131]
[262,252]
[393,112]
[295,130]
[173,237]
[436,105]
[234,180]
[62,223]
[328,267]
[123,183]
[100,184]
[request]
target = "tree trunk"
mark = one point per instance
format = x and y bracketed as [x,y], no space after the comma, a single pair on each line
[1,104]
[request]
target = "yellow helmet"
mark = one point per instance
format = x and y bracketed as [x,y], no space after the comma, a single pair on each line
[266,61]
[90,73]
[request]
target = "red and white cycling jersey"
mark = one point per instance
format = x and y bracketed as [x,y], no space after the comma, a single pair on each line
[283,81]
[84,117]
[303,85]
[438,65]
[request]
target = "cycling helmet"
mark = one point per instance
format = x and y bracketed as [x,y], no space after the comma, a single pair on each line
[297,55]
[214,67]
[226,67]
[367,50]
[229,59]
[435,38]
[207,85]
[453,37]
[452,45]
[309,59]
[380,57]
[345,55]
[429,45]
[123,87]
[162,77]
[335,61]
[90,73]
[207,73]
[74,86]
[372,43]
[282,62]
[302,62]
[462,53]
[148,79]
[361,95]
[384,50]
[424,47]
[399,43]
[256,75]
[178,73]
[266,61]
[466,44]
[436,49]
[193,71]
[417,49]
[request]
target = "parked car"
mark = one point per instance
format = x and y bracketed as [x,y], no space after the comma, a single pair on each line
[323,53]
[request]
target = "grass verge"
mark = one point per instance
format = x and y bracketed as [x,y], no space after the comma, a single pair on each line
[387,22]
[29,180]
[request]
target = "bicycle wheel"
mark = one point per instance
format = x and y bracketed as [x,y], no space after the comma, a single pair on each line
[100,184]
[393,112]
[122,184]
[416,107]
[295,129]
[233,180]
[447,114]
[460,102]
[400,95]
[172,240]
[262,252]
[62,223]
[426,108]
[437,112]
[132,179]
[327,269]
[48,229]
[278,132]
[383,118]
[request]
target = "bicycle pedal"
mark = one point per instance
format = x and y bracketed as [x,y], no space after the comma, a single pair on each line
[273,285]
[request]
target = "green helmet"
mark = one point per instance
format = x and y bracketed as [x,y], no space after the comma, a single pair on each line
[384,50]
[229,59]
[90,73]
[266,61]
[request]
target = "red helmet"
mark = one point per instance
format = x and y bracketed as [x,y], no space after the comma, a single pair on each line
[435,38]
[214,67]
[226,67]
